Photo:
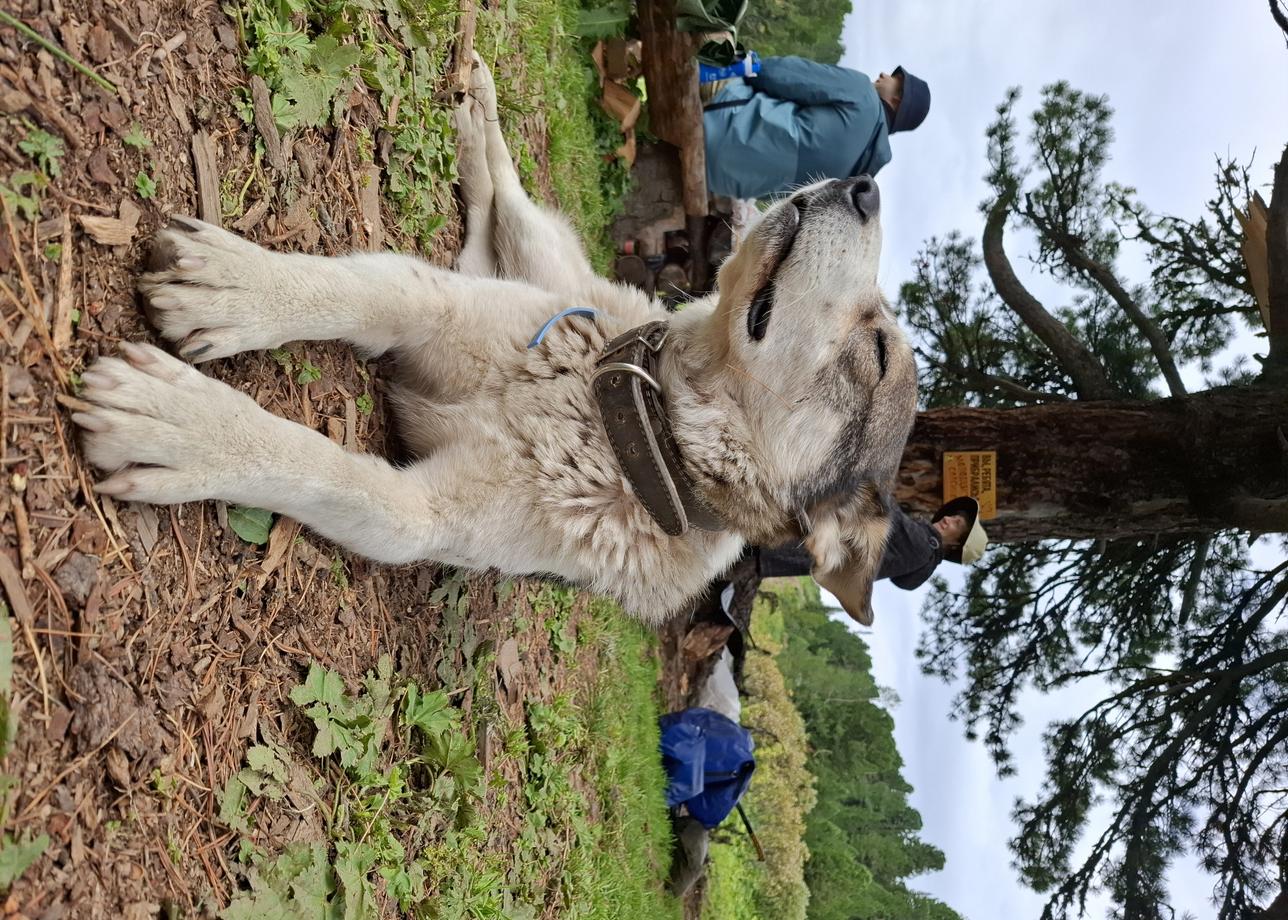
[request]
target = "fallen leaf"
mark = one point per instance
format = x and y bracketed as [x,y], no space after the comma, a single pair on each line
[118,768]
[509,667]
[99,170]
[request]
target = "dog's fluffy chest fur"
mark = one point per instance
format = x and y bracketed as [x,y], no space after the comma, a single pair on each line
[563,491]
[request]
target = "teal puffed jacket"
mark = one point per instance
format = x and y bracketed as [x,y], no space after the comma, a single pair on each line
[796,122]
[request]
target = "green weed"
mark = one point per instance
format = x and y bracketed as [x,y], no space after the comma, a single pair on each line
[21,195]
[383,803]
[136,137]
[46,149]
[145,185]
[308,372]
[312,52]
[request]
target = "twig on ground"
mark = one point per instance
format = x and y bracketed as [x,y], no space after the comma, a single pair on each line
[62,335]
[75,765]
[56,51]
[188,563]
[12,582]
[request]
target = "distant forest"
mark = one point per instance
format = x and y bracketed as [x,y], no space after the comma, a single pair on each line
[825,745]
[863,836]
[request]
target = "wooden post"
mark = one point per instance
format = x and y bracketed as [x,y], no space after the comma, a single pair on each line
[674,106]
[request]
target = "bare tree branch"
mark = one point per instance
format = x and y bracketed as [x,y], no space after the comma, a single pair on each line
[983,382]
[1103,275]
[1088,376]
[1277,253]
[1281,18]
[1193,579]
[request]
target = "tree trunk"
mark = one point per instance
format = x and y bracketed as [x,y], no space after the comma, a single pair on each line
[1277,260]
[1088,470]
[674,106]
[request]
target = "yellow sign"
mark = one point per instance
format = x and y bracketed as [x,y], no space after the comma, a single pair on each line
[973,473]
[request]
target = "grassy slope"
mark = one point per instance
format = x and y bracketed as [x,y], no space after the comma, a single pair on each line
[738,885]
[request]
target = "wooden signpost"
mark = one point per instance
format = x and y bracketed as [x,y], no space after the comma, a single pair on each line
[972,473]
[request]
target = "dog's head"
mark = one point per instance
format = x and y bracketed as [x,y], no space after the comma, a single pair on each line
[825,379]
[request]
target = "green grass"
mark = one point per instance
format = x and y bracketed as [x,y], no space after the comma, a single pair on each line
[311,52]
[558,81]
[412,817]
[636,837]
[731,882]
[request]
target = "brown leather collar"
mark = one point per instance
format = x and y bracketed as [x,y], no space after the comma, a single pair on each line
[630,403]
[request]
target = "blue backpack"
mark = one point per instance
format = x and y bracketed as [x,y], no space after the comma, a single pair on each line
[708,761]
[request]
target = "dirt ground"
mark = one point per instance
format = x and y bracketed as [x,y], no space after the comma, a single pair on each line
[153,644]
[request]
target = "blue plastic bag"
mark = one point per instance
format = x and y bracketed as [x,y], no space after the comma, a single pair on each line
[708,761]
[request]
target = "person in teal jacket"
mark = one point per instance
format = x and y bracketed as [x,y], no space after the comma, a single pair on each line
[799,121]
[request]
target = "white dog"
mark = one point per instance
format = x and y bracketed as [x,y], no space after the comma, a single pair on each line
[785,398]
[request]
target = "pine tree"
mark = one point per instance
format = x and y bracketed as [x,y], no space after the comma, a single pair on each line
[1127,505]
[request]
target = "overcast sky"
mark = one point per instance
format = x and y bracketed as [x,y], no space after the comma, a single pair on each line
[1187,79]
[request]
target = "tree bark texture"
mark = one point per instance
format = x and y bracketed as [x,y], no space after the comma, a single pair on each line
[1089,470]
[1277,260]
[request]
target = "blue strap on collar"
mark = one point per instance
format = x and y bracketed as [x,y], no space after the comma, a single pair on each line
[571,311]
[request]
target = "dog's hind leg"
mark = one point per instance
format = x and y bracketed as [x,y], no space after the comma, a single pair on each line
[532,243]
[478,255]
[216,294]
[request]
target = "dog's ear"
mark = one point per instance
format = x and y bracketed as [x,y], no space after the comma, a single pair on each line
[847,542]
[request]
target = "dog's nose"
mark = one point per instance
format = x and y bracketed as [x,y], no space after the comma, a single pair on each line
[866,195]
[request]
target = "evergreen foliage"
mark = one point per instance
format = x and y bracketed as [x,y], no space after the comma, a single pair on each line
[863,836]
[1177,639]
[808,28]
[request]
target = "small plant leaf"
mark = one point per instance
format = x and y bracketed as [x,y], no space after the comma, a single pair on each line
[16,856]
[430,712]
[251,524]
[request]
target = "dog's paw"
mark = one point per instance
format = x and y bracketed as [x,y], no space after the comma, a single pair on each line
[167,432]
[212,292]
[471,151]
[483,87]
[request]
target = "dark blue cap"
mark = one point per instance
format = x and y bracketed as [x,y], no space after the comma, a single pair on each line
[914,103]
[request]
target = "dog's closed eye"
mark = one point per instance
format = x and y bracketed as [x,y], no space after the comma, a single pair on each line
[763,303]
[758,314]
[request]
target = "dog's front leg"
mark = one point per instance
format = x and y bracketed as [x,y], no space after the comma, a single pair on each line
[171,434]
[217,294]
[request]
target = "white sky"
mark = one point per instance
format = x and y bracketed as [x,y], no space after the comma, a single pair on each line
[1187,79]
